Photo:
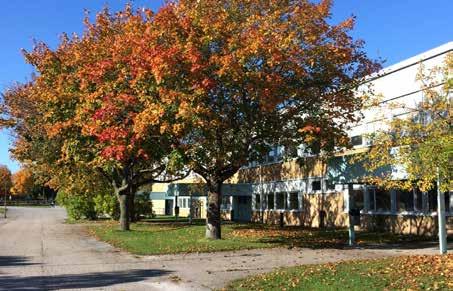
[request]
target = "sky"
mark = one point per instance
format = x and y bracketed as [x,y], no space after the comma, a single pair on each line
[392,30]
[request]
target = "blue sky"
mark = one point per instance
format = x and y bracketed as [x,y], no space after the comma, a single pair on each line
[392,30]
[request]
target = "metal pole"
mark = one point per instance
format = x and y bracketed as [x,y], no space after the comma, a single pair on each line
[4,214]
[441,217]
[351,229]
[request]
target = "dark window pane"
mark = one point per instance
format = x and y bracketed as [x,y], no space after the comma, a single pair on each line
[226,203]
[357,199]
[270,201]
[383,200]
[257,201]
[357,140]
[330,185]
[372,198]
[418,200]
[447,201]
[404,200]
[316,185]
[281,197]
[432,200]
[293,201]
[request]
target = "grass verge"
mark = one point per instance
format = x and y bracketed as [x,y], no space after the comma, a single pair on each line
[152,238]
[400,273]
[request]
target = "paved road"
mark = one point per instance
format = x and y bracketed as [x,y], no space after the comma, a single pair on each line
[38,251]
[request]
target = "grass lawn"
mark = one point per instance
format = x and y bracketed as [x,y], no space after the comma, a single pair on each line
[151,238]
[401,273]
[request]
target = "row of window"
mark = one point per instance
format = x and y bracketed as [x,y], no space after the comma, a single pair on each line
[379,200]
[277,201]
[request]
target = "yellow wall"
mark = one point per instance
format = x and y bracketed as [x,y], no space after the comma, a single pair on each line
[331,203]
[158,206]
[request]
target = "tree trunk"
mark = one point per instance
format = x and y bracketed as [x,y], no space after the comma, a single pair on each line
[124,211]
[131,207]
[213,230]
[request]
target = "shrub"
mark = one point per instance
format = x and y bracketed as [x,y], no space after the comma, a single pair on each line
[143,206]
[78,206]
[107,205]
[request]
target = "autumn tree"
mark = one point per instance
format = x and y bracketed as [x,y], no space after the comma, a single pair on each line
[89,94]
[5,180]
[22,182]
[249,74]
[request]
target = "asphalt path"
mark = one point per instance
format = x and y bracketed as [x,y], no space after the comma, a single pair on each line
[39,251]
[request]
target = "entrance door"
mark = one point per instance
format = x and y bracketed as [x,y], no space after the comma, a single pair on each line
[243,209]
[168,207]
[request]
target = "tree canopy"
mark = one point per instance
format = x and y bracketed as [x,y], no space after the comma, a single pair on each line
[208,86]
[422,141]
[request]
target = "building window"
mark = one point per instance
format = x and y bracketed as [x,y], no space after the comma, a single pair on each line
[281,200]
[418,199]
[294,201]
[330,185]
[405,200]
[226,202]
[257,201]
[270,201]
[357,201]
[316,186]
[447,201]
[380,200]
[357,140]
[432,200]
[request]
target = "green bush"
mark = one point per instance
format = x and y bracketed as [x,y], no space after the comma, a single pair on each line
[78,206]
[143,206]
[107,205]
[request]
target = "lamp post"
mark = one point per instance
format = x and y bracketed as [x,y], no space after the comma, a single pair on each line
[4,202]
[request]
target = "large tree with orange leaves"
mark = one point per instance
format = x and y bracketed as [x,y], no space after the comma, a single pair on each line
[87,99]
[209,83]
[22,183]
[249,74]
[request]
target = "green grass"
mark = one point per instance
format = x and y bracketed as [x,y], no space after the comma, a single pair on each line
[406,273]
[151,238]
[2,210]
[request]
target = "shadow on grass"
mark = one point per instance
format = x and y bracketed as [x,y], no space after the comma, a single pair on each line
[303,237]
[77,281]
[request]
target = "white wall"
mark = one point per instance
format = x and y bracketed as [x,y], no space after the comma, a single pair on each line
[395,81]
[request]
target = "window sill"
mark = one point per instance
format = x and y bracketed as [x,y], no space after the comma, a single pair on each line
[278,210]
[403,213]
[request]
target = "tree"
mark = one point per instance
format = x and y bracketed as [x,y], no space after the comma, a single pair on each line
[422,141]
[89,94]
[5,180]
[22,182]
[250,74]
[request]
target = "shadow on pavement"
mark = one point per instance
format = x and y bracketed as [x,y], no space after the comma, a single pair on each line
[14,261]
[77,281]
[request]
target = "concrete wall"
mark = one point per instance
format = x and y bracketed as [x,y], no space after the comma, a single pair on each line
[404,224]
